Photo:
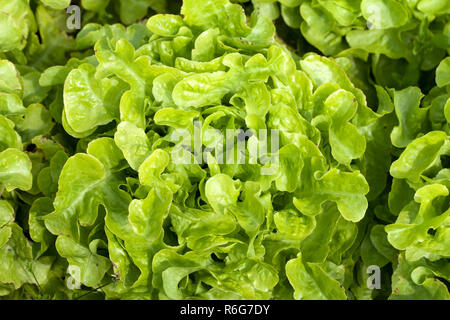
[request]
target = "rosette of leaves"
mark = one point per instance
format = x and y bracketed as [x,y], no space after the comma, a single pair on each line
[246,228]
[407,227]
[114,175]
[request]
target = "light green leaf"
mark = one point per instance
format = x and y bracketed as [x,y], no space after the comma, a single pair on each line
[418,156]
[347,190]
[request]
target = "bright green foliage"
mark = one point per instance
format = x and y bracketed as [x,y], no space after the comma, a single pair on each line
[117,173]
[399,38]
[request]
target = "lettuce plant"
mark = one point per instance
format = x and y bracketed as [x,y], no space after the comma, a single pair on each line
[118,179]
[400,40]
